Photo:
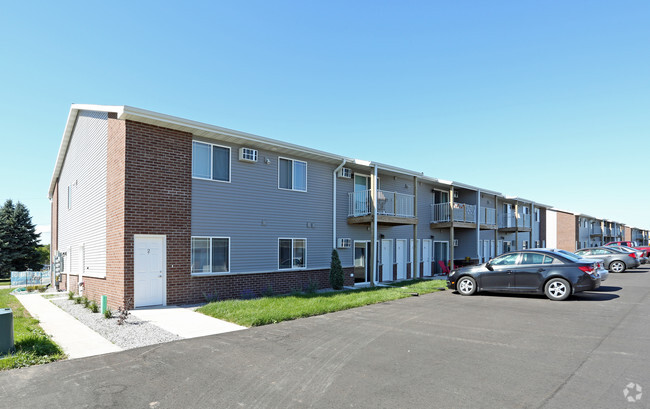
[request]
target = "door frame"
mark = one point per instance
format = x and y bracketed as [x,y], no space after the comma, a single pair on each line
[426,261]
[164,264]
[433,252]
[368,260]
[392,260]
[405,257]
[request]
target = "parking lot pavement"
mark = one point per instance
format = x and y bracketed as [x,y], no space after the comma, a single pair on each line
[436,350]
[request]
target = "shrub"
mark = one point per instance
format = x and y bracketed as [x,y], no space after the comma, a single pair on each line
[124,312]
[311,286]
[86,301]
[247,294]
[94,307]
[268,291]
[108,313]
[336,271]
[42,288]
[70,295]
[78,300]
[30,288]
[211,297]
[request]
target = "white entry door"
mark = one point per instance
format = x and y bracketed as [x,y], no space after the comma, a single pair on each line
[400,258]
[387,260]
[149,270]
[426,257]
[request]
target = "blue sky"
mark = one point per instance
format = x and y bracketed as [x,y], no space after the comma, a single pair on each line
[546,100]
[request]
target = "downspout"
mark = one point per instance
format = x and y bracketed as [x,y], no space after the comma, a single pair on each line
[478,227]
[334,203]
[374,227]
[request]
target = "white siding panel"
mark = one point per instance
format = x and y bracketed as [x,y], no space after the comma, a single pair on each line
[84,169]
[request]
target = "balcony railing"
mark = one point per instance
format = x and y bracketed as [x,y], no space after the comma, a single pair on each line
[462,212]
[511,221]
[388,204]
[595,231]
[488,215]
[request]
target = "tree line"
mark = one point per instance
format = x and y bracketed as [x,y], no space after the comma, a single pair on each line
[19,242]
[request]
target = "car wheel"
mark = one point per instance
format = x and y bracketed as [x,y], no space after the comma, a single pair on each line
[617,266]
[466,286]
[557,289]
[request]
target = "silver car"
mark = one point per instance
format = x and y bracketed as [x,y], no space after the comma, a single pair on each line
[614,260]
[600,263]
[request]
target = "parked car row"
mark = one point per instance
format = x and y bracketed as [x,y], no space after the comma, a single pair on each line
[553,272]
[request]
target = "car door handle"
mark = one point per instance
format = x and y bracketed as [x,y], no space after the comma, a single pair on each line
[541,270]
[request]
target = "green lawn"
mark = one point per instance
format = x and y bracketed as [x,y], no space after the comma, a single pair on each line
[5,281]
[33,347]
[269,310]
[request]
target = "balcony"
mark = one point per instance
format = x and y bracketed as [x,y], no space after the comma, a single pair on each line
[512,223]
[458,215]
[392,208]
[488,218]
[595,232]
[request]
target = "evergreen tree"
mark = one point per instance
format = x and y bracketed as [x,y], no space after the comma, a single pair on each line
[336,271]
[18,239]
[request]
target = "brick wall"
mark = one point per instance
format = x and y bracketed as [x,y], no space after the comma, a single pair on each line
[566,231]
[628,233]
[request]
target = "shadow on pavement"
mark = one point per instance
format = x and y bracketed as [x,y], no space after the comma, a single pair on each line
[609,288]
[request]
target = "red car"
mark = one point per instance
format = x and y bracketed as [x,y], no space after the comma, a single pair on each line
[632,244]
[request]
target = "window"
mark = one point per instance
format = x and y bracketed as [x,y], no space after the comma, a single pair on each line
[532,258]
[210,255]
[291,253]
[292,175]
[506,260]
[536,215]
[525,245]
[210,161]
[537,244]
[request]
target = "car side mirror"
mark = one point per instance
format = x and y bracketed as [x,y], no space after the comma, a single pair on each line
[489,266]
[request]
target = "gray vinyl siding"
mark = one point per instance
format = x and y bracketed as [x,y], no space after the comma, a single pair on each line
[254,212]
[84,169]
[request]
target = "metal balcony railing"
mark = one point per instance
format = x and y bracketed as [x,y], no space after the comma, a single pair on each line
[388,203]
[462,212]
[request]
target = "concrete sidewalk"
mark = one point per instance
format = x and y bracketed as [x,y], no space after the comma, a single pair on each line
[76,339]
[184,321]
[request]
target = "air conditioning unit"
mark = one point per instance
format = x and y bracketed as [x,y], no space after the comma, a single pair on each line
[345,173]
[247,155]
[344,243]
[455,242]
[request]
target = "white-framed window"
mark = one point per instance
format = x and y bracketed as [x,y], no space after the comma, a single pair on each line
[537,244]
[210,161]
[210,255]
[69,197]
[292,253]
[524,245]
[292,174]
[536,215]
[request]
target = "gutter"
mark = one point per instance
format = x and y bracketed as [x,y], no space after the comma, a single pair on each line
[334,202]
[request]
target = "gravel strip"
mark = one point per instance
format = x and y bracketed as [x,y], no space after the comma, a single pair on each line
[132,333]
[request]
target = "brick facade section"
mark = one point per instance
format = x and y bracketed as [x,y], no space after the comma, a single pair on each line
[566,231]
[627,233]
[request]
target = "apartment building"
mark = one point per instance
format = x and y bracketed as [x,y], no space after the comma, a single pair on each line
[164,210]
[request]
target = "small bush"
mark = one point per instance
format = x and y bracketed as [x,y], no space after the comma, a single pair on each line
[211,297]
[93,307]
[42,288]
[247,294]
[85,301]
[124,312]
[108,313]
[311,286]
[30,288]
[336,272]
[70,295]
[78,300]
[268,291]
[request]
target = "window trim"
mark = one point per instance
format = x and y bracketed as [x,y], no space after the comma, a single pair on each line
[292,268]
[293,174]
[210,273]
[212,162]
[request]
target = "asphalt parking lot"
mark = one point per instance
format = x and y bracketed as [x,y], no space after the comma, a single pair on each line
[438,350]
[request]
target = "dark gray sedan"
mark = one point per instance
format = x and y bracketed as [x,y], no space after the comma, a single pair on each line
[538,271]
[615,260]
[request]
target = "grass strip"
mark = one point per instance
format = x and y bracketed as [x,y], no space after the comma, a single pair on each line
[33,346]
[269,310]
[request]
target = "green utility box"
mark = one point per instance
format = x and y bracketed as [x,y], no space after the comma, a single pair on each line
[6,330]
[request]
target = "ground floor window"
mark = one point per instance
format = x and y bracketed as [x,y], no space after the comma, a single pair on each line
[291,253]
[210,255]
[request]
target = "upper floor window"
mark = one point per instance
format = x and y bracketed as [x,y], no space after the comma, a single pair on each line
[292,175]
[536,215]
[210,161]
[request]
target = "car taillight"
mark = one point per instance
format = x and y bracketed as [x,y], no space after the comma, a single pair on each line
[586,269]
[633,255]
